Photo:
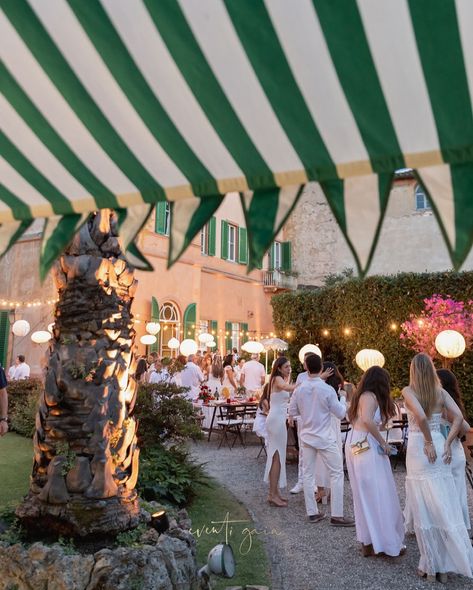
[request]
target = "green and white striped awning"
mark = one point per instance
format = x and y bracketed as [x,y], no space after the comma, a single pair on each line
[122,103]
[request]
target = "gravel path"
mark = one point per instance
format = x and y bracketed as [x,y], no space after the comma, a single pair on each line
[306,556]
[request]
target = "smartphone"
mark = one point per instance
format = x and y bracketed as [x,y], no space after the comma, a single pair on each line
[393,452]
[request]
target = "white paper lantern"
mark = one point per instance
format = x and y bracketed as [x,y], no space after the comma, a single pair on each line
[41,337]
[368,357]
[51,327]
[253,347]
[205,337]
[450,344]
[148,339]
[211,344]
[153,328]
[173,343]
[21,328]
[309,348]
[188,347]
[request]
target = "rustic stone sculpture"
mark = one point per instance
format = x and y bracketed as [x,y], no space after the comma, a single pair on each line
[85,455]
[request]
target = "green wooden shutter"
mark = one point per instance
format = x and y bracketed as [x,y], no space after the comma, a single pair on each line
[224,240]
[228,339]
[242,246]
[160,222]
[4,335]
[155,318]
[286,256]
[212,235]
[244,329]
[272,256]
[189,320]
[213,327]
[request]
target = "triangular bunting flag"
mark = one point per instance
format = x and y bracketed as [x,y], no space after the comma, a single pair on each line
[57,235]
[450,189]
[136,258]
[359,204]
[265,214]
[11,232]
[188,216]
[131,221]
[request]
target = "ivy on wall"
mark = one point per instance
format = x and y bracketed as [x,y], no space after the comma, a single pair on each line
[353,313]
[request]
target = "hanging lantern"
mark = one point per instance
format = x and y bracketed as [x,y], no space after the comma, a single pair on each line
[51,327]
[153,328]
[21,328]
[211,344]
[188,347]
[450,344]
[173,343]
[205,337]
[41,337]
[253,347]
[309,348]
[148,339]
[369,357]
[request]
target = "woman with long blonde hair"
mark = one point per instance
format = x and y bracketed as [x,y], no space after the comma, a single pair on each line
[433,511]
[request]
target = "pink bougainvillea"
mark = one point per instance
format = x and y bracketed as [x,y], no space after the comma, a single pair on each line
[439,313]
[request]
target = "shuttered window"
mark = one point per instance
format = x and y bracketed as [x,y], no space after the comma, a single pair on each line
[163,218]
[4,335]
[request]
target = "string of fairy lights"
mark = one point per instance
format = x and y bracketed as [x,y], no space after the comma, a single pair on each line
[15,304]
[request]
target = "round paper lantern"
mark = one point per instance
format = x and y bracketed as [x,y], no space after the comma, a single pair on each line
[211,344]
[41,337]
[21,328]
[369,357]
[148,339]
[253,347]
[188,347]
[450,344]
[51,327]
[153,328]
[205,337]
[309,348]
[173,343]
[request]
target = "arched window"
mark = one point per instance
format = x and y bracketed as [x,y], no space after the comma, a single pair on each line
[170,320]
[422,202]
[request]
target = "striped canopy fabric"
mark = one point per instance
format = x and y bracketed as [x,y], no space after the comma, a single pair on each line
[123,103]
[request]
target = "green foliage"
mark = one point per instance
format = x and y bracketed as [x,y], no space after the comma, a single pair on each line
[14,533]
[77,370]
[169,475]
[67,545]
[369,307]
[131,538]
[23,399]
[164,415]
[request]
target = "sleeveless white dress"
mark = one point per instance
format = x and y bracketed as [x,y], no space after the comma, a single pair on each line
[433,511]
[378,516]
[226,381]
[458,465]
[277,433]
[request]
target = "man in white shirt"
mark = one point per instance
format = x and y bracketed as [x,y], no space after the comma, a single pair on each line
[160,374]
[192,377]
[253,374]
[22,371]
[11,370]
[314,401]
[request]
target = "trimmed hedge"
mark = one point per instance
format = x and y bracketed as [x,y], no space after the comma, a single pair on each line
[368,307]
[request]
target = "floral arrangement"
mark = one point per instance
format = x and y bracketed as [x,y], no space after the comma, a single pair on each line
[205,394]
[439,313]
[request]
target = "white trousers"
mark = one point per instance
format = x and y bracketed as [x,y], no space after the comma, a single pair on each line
[333,461]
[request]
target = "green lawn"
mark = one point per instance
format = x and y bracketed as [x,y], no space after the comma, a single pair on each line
[16,459]
[213,515]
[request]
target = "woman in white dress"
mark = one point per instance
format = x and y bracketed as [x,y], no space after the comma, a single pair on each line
[378,517]
[229,380]
[433,509]
[279,388]
[214,381]
[450,384]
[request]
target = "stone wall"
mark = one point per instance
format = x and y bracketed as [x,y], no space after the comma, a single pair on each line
[410,240]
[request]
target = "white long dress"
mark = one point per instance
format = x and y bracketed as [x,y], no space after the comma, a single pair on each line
[277,433]
[226,381]
[433,509]
[458,465]
[378,516]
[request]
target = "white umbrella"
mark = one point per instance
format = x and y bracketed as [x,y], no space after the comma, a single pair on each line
[274,344]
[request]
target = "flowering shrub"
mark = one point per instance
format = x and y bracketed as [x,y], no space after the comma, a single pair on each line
[439,313]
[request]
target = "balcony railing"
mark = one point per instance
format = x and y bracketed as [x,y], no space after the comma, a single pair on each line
[276,279]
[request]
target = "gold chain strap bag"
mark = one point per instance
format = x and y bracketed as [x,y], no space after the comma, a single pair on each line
[360,446]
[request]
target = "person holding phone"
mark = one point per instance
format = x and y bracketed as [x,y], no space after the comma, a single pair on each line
[378,517]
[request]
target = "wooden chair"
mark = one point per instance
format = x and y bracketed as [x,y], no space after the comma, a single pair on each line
[396,435]
[230,422]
